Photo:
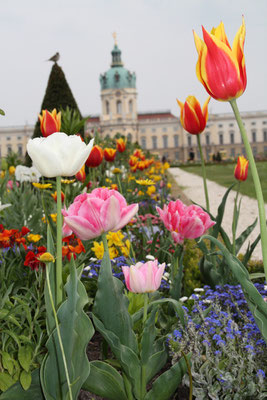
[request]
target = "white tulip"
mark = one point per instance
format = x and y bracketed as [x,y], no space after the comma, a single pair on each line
[58,154]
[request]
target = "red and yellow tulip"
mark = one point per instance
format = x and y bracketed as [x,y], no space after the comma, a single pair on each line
[54,195]
[121,145]
[241,169]
[109,154]
[81,175]
[192,118]
[220,68]
[95,157]
[50,122]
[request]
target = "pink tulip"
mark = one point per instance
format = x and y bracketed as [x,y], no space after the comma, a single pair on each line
[184,222]
[143,278]
[10,184]
[92,214]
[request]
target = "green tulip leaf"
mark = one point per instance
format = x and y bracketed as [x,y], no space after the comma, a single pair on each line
[125,355]
[25,379]
[166,384]
[76,331]
[105,381]
[111,305]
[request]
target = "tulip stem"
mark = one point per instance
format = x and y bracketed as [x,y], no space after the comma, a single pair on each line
[235,217]
[203,174]
[145,307]
[59,285]
[257,184]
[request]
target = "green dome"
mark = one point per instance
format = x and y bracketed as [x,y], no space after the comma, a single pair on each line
[117,77]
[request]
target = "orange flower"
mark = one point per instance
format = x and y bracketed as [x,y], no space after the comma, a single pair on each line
[95,157]
[109,154]
[50,122]
[133,161]
[121,145]
[73,246]
[220,69]
[138,153]
[192,118]
[241,169]
[81,175]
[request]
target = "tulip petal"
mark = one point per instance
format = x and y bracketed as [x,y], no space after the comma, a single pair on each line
[82,227]
[126,215]
[205,109]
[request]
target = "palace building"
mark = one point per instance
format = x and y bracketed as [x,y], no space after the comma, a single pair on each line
[158,131]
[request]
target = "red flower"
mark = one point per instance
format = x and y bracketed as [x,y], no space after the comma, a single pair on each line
[73,246]
[32,259]
[95,157]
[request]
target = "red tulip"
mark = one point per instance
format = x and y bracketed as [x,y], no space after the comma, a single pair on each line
[95,157]
[241,169]
[50,122]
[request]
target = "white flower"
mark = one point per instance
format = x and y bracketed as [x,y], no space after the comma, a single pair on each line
[206,301]
[183,299]
[198,290]
[150,257]
[87,268]
[25,174]
[59,154]
[3,206]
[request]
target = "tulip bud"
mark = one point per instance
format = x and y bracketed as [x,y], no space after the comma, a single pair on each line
[192,118]
[109,154]
[50,122]
[121,145]
[54,195]
[81,175]
[241,169]
[95,158]
[143,277]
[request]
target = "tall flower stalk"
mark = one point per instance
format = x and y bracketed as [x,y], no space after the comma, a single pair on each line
[203,174]
[257,184]
[59,284]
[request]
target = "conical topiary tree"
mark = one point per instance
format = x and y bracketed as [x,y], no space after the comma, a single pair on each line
[58,95]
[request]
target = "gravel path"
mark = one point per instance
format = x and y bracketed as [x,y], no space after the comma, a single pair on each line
[192,186]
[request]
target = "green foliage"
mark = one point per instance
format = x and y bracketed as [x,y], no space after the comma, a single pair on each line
[192,276]
[76,331]
[71,121]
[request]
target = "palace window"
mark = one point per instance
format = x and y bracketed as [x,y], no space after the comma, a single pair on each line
[119,107]
[189,140]
[20,149]
[154,142]
[232,137]
[176,155]
[220,138]
[143,142]
[265,136]
[165,141]
[207,139]
[9,149]
[176,140]
[130,106]
[129,137]
[107,107]
[254,136]
[233,152]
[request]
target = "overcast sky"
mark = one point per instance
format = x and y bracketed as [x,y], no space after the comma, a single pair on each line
[156,40]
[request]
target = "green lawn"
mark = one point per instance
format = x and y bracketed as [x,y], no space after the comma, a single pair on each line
[224,175]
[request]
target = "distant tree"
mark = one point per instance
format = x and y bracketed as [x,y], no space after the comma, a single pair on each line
[58,95]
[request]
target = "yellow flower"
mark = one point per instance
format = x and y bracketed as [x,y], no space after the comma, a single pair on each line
[115,238]
[67,181]
[33,238]
[157,178]
[131,178]
[46,257]
[151,190]
[42,185]
[140,193]
[169,185]
[116,171]
[53,217]
[12,170]
[126,248]
[98,249]
[113,252]
[145,182]
[108,180]
[166,165]
[2,175]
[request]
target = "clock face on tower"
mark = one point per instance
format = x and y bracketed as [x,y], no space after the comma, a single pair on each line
[118,93]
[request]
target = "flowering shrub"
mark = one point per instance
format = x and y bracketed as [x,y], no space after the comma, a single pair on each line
[229,353]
